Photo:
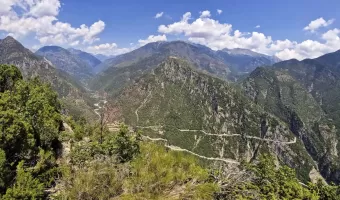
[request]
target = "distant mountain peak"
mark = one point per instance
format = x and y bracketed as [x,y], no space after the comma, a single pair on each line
[78,63]
[51,48]
[10,41]
[10,48]
[9,38]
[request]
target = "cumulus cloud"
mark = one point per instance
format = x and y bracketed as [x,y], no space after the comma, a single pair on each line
[205,13]
[152,38]
[39,17]
[158,15]
[217,35]
[318,23]
[219,11]
[257,26]
[43,8]
[109,49]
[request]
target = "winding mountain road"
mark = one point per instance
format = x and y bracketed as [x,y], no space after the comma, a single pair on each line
[176,148]
[239,135]
[226,160]
[98,107]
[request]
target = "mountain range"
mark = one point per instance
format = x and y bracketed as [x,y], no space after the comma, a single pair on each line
[72,92]
[193,99]
[12,52]
[118,71]
[75,62]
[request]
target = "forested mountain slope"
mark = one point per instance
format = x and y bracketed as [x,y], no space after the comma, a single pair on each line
[207,116]
[305,95]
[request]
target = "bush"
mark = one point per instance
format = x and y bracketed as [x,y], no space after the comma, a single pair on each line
[26,187]
[158,173]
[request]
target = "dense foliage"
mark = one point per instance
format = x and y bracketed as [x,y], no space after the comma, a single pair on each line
[30,121]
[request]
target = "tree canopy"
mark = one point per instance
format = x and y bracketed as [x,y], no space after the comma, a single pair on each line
[30,122]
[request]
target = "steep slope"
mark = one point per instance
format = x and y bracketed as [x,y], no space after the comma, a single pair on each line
[207,117]
[88,58]
[331,60]
[285,90]
[66,61]
[244,61]
[322,81]
[71,91]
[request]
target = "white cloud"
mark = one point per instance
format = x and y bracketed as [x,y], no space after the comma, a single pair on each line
[205,13]
[75,43]
[35,47]
[318,23]
[109,49]
[219,11]
[6,7]
[39,17]
[216,35]
[200,28]
[287,54]
[44,8]
[158,15]
[281,44]
[257,26]
[152,38]
[331,35]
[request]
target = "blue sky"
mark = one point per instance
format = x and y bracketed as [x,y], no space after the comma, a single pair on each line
[130,20]
[118,24]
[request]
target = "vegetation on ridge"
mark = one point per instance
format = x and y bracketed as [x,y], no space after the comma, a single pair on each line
[35,162]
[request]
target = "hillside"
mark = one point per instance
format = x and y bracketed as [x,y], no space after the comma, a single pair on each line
[321,80]
[72,62]
[302,93]
[207,117]
[73,95]
[44,154]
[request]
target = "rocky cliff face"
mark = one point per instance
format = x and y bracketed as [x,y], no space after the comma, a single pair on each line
[208,117]
[285,90]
